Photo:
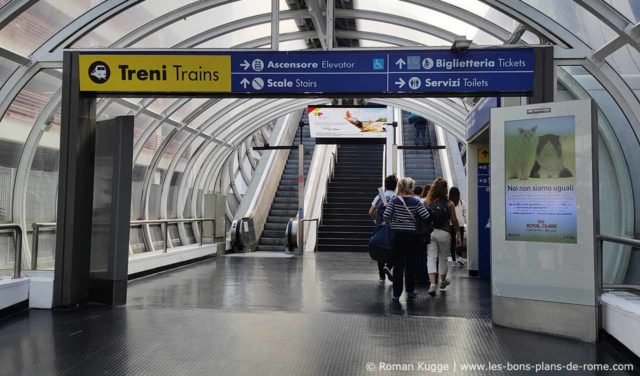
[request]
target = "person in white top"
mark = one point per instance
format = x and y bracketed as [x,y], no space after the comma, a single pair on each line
[461,214]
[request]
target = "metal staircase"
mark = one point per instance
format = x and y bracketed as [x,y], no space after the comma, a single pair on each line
[346,225]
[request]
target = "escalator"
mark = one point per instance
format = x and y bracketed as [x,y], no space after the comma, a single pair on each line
[418,164]
[285,203]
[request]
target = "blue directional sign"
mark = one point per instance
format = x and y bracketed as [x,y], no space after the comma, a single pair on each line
[501,70]
[495,71]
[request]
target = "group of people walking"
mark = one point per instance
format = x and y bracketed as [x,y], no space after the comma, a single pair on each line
[424,220]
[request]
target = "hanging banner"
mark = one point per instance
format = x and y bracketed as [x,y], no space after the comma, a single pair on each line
[540,172]
[347,122]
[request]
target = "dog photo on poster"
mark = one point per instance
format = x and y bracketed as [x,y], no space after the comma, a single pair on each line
[540,171]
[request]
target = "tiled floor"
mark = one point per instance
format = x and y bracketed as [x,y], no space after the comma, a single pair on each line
[323,314]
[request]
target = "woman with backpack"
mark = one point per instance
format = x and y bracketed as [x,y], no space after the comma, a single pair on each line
[403,214]
[443,214]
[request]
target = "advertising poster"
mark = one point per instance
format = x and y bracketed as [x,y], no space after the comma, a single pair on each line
[540,172]
[348,122]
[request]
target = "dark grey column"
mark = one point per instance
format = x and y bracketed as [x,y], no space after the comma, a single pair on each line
[75,190]
[111,211]
[544,76]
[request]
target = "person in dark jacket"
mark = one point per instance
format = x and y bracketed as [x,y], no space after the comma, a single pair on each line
[376,211]
[403,214]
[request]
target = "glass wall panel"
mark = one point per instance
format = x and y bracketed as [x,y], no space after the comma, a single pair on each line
[616,195]
[209,19]
[127,21]
[15,127]
[400,31]
[41,21]
[575,19]
[628,8]
[626,61]
[7,67]
[432,17]
[42,191]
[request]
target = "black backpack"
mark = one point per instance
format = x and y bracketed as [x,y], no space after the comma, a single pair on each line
[439,213]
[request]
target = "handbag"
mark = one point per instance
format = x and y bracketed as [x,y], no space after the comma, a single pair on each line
[380,242]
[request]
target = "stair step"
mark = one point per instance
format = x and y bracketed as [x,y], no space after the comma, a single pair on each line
[270,248]
[342,248]
[344,228]
[345,235]
[283,213]
[275,227]
[273,234]
[284,206]
[271,241]
[342,241]
[278,219]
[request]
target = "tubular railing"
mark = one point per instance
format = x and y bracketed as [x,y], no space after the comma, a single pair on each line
[167,222]
[17,231]
[35,240]
[635,243]
[48,226]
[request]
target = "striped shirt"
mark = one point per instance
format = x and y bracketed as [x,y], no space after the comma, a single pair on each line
[403,219]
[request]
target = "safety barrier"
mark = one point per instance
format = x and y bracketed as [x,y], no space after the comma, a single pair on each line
[51,226]
[17,231]
[617,240]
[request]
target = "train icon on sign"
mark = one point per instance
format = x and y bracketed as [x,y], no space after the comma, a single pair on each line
[99,72]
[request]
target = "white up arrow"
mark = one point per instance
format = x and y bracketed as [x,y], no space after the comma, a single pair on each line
[245,65]
[400,82]
[244,83]
[400,63]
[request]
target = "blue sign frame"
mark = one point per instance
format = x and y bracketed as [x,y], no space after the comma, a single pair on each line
[497,71]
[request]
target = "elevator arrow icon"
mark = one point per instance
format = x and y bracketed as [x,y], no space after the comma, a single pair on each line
[245,65]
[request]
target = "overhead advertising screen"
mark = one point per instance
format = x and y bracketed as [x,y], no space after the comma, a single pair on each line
[540,171]
[348,122]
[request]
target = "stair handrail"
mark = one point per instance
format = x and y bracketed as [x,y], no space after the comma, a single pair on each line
[320,173]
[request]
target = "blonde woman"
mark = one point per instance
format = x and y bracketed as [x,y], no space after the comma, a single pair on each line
[403,213]
[443,214]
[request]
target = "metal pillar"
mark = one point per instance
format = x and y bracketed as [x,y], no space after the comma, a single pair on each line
[300,250]
[75,190]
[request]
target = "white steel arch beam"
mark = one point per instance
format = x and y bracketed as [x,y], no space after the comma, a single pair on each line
[167,19]
[465,16]
[610,17]
[608,77]
[397,20]
[52,49]
[378,37]
[13,9]
[538,21]
[238,24]
[224,106]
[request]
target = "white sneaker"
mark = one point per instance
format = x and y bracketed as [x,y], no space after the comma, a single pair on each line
[460,263]
[432,289]
[381,281]
[444,284]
